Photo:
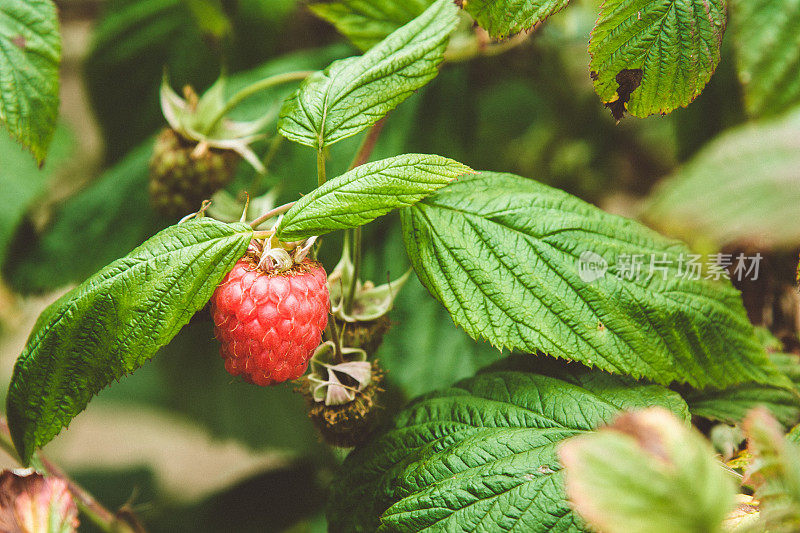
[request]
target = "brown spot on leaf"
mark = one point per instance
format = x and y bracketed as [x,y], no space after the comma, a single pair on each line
[20,42]
[628,80]
[594,75]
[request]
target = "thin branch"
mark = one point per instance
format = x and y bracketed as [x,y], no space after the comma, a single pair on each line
[261,85]
[271,213]
[321,178]
[333,333]
[368,144]
[99,515]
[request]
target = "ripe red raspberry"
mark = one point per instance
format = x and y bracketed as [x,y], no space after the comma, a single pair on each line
[269,323]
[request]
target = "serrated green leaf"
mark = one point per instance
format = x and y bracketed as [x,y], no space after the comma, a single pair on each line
[503,254]
[354,93]
[114,322]
[794,434]
[482,454]
[647,473]
[368,22]
[731,405]
[30,53]
[420,325]
[742,188]
[371,190]
[659,53]
[766,34]
[503,18]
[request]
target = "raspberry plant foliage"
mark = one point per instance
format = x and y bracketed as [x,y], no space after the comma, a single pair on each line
[484,452]
[115,321]
[500,252]
[504,18]
[673,46]
[766,35]
[356,92]
[30,53]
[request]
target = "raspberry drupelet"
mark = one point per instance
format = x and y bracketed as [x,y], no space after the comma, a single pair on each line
[269,323]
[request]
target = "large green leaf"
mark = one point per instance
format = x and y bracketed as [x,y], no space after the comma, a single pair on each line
[532,268]
[368,22]
[114,322]
[420,325]
[743,188]
[502,18]
[731,405]
[658,54]
[367,192]
[647,473]
[30,52]
[767,38]
[22,181]
[354,93]
[481,456]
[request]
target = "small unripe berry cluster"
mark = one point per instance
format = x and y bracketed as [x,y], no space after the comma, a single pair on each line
[180,180]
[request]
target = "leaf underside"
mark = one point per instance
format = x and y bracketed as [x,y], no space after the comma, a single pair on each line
[503,18]
[739,190]
[113,323]
[368,22]
[766,34]
[367,192]
[647,473]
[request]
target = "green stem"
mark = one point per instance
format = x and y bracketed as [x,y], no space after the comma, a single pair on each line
[333,334]
[356,258]
[261,85]
[320,167]
[269,214]
[272,151]
[361,157]
[476,47]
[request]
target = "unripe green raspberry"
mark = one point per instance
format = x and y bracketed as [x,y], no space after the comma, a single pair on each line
[180,178]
